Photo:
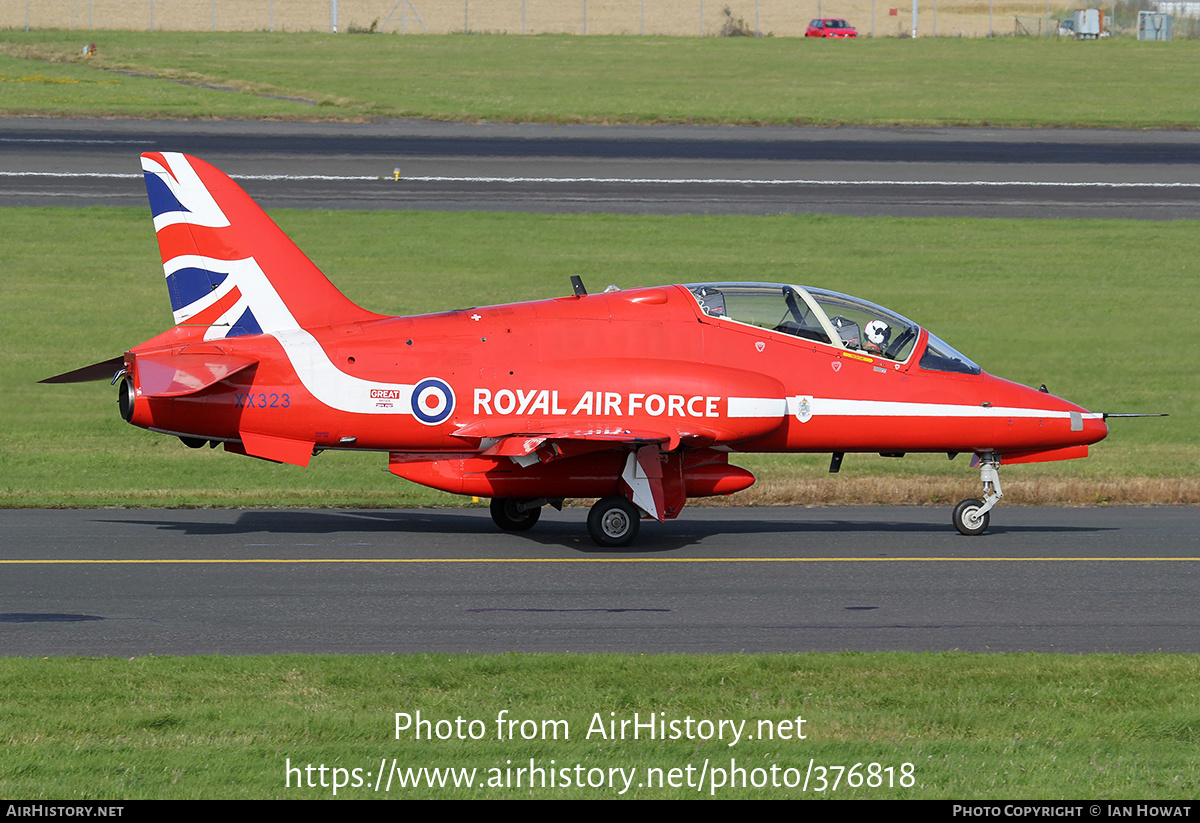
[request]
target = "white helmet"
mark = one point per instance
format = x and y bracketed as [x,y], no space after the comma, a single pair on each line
[878,332]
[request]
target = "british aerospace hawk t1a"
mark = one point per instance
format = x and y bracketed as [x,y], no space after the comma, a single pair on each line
[639,397]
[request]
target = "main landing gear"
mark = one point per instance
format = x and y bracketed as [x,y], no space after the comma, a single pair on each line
[971,516]
[515,515]
[613,522]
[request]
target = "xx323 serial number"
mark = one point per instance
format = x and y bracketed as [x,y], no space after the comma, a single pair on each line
[261,401]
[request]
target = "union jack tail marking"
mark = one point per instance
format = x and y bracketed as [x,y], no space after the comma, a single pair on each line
[230,270]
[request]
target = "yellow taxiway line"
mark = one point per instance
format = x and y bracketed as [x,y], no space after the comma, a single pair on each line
[218,561]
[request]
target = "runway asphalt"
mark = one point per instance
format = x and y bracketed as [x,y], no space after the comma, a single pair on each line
[136,582]
[623,169]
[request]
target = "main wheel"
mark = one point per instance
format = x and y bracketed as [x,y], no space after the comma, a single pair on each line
[967,518]
[613,522]
[507,515]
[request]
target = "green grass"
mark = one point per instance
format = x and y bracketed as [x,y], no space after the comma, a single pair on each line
[1007,82]
[1100,311]
[972,726]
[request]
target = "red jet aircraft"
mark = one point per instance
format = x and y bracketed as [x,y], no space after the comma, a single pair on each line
[637,396]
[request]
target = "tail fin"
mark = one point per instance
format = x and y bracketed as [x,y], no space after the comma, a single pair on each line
[230,270]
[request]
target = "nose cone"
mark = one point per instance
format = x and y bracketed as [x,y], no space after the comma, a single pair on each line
[1032,419]
[1094,427]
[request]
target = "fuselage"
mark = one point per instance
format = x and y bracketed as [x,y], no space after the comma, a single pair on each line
[645,361]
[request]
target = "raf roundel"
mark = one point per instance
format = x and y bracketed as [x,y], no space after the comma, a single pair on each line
[433,401]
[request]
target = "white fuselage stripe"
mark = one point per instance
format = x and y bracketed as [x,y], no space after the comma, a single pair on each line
[837,407]
[827,406]
[332,386]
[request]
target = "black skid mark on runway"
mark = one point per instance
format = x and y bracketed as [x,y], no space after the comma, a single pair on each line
[36,617]
[568,611]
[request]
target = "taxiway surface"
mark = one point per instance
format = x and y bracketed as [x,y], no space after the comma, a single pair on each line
[413,164]
[135,582]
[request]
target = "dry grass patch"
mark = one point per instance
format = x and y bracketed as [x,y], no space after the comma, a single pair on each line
[923,491]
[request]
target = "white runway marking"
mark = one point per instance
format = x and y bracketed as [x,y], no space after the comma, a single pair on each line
[791,182]
[715,181]
[74,140]
[138,175]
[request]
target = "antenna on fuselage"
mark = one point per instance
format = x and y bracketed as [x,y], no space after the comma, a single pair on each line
[577,284]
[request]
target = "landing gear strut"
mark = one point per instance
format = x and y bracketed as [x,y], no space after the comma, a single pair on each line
[971,516]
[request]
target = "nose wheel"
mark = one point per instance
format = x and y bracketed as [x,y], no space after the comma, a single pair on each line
[967,518]
[971,516]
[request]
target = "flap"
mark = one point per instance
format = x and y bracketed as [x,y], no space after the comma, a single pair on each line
[510,443]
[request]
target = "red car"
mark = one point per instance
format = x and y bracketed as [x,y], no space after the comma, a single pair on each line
[830,27]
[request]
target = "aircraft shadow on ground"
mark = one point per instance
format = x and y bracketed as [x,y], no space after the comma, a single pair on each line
[572,536]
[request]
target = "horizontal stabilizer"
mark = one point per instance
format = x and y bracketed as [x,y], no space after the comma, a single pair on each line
[96,371]
[175,375]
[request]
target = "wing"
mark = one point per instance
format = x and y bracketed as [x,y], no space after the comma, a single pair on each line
[498,438]
[643,480]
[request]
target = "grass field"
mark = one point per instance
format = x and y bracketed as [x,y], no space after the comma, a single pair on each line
[951,726]
[1022,82]
[1098,310]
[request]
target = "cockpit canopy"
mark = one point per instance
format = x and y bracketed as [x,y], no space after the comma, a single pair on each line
[827,317]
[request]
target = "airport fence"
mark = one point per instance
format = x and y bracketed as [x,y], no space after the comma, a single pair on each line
[704,18]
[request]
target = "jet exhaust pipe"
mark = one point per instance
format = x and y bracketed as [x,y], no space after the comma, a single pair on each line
[126,397]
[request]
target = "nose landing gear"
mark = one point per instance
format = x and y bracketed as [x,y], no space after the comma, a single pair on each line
[971,516]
